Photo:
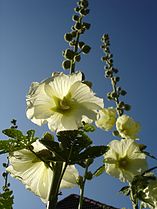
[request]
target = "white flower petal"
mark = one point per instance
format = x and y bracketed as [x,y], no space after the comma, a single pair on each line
[62,101]
[35,175]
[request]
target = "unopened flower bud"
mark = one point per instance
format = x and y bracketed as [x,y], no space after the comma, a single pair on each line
[75,17]
[86,25]
[66,64]
[77,58]
[68,37]
[69,54]
[86,49]
[89,175]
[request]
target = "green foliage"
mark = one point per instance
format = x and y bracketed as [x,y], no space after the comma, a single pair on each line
[6,199]
[16,140]
[99,171]
[73,147]
[88,127]
[125,190]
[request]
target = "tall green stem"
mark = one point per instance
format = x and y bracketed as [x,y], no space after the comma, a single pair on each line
[54,190]
[82,187]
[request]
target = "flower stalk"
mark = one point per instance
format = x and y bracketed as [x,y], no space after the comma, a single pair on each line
[54,190]
[82,187]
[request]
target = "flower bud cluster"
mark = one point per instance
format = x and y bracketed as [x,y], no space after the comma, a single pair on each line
[111,73]
[73,54]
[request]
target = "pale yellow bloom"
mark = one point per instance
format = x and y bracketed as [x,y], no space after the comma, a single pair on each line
[124,159]
[150,195]
[35,174]
[127,127]
[62,101]
[106,118]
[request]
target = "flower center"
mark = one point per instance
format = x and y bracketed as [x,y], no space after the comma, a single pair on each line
[63,105]
[123,163]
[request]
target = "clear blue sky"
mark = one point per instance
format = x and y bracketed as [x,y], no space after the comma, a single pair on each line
[31,41]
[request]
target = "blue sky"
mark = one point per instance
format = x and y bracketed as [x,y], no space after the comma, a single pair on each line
[31,42]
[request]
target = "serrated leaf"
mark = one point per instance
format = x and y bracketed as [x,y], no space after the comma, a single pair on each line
[13,133]
[17,141]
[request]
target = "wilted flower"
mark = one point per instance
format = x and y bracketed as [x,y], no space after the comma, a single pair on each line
[127,127]
[124,159]
[106,118]
[62,101]
[35,174]
[150,195]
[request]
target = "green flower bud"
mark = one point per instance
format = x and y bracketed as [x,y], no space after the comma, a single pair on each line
[73,33]
[84,4]
[116,79]
[121,105]
[108,73]
[77,9]
[69,54]
[127,107]
[78,26]
[86,25]
[48,136]
[86,49]
[113,94]
[68,37]
[89,175]
[72,43]
[123,92]
[66,64]
[75,18]
[81,44]
[77,58]
[4,165]
[84,12]
[109,96]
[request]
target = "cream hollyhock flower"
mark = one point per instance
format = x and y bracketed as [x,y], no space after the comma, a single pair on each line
[127,127]
[62,101]
[35,174]
[150,195]
[106,118]
[124,159]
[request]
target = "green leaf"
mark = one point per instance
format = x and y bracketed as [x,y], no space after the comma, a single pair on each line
[54,147]
[89,128]
[17,141]
[125,190]
[93,152]
[13,133]
[6,199]
[99,171]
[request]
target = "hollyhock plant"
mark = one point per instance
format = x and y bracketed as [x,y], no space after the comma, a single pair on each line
[35,174]
[62,101]
[106,118]
[127,127]
[124,159]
